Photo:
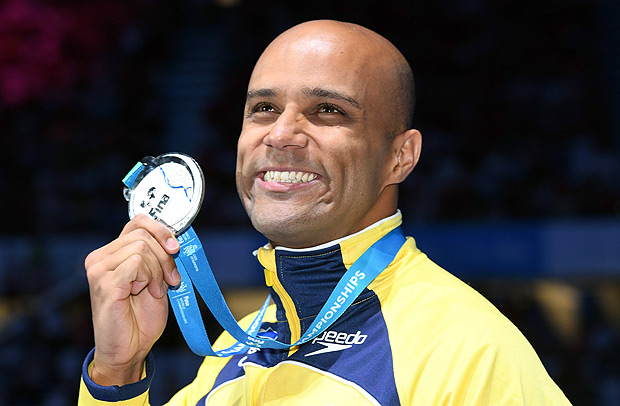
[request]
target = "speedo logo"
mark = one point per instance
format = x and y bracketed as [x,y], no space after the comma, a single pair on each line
[333,341]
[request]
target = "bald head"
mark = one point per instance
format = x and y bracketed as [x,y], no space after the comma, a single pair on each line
[361,54]
[330,104]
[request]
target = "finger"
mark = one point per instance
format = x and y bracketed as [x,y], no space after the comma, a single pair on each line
[135,275]
[164,237]
[141,227]
[130,277]
[162,234]
[142,240]
[145,277]
[147,266]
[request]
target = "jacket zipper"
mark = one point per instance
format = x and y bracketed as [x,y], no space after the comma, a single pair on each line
[289,307]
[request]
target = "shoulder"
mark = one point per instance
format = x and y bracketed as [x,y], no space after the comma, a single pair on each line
[414,283]
[437,305]
[445,334]
[432,316]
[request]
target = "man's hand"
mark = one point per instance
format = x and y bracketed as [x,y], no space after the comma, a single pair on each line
[128,281]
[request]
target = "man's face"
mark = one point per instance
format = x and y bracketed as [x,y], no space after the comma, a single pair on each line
[312,155]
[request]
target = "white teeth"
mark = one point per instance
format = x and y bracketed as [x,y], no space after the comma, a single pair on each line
[289,177]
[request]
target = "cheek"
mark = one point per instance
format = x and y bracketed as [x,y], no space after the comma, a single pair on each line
[357,157]
[354,172]
[364,169]
[244,151]
[241,170]
[241,145]
[249,136]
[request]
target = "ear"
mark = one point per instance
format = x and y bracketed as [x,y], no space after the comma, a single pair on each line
[406,148]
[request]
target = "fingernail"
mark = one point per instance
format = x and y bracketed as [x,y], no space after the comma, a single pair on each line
[172,243]
[164,287]
[176,277]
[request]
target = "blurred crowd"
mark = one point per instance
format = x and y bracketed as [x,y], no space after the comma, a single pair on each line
[513,101]
[513,104]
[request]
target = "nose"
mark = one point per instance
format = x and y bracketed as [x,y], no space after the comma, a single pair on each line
[287,132]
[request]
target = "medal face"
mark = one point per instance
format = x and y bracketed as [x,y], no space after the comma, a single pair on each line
[169,188]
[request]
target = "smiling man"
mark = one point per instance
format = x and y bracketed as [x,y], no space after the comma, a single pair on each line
[326,140]
[335,107]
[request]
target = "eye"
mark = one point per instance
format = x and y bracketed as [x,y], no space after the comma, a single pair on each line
[263,108]
[328,108]
[261,111]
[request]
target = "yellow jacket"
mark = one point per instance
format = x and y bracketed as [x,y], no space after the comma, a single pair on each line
[416,336]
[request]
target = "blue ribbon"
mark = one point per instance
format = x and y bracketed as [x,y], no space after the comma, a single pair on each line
[195,270]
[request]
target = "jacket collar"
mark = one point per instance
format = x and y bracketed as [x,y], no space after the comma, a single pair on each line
[301,280]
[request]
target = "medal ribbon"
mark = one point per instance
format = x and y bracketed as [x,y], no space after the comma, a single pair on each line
[195,271]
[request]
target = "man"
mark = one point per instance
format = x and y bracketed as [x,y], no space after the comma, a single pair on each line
[326,140]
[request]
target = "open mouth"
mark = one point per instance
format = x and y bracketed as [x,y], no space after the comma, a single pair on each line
[288,176]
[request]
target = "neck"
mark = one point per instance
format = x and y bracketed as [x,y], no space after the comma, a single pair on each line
[385,207]
[339,240]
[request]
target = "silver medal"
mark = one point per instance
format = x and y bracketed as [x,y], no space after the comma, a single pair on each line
[169,188]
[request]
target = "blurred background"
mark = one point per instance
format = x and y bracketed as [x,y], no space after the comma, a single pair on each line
[517,191]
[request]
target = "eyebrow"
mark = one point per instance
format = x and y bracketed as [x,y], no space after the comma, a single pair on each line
[331,94]
[308,92]
[252,94]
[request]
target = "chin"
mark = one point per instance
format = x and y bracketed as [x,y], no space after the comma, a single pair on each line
[289,231]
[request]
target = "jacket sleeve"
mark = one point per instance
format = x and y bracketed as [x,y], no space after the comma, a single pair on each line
[503,372]
[137,393]
[92,394]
